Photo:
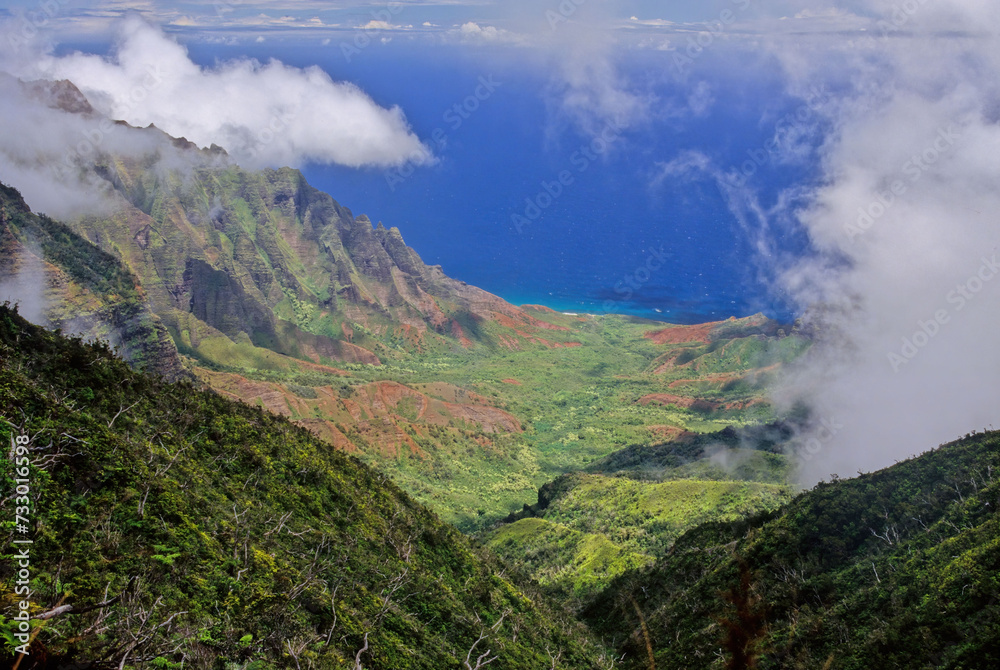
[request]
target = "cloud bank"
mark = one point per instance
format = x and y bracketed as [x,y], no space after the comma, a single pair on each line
[902,283]
[905,287]
[266,114]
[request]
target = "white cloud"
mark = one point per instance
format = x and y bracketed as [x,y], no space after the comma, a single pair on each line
[903,223]
[473,33]
[45,151]
[701,98]
[594,92]
[376,24]
[688,165]
[657,23]
[591,89]
[263,114]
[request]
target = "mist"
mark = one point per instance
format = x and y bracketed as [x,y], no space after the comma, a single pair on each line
[46,151]
[23,283]
[903,289]
[900,284]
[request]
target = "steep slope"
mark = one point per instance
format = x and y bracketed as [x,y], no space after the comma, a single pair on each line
[265,258]
[897,569]
[231,258]
[172,527]
[70,284]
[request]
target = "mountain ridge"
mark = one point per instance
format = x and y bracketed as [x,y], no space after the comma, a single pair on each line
[304,277]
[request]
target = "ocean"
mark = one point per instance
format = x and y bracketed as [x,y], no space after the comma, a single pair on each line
[524,204]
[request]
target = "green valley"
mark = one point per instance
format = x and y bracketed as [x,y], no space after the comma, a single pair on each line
[173,528]
[275,294]
[260,432]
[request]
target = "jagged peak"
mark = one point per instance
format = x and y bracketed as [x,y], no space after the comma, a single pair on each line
[62,94]
[65,96]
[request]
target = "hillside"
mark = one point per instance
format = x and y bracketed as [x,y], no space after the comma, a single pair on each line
[67,283]
[175,528]
[629,508]
[264,260]
[895,569]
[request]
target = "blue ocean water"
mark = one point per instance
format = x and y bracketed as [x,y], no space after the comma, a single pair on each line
[610,237]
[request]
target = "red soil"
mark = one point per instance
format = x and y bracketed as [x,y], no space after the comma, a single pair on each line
[679,334]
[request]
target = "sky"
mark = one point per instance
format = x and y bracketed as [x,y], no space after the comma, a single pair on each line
[870,129]
[491,20]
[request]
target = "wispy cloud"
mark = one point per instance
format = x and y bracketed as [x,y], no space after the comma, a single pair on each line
[50,141]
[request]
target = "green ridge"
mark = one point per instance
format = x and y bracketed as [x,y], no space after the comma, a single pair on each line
[896,569]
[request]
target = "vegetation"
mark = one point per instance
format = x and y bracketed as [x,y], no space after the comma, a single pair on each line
[898,568]
[258,276]
[79,287]
[589,528]
[576,406]
[573,564]
[175,528]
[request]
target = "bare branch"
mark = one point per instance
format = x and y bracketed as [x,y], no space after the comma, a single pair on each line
[333,608]
[70,609]
[554,659]
[357,657]
[482,661]
[123,409]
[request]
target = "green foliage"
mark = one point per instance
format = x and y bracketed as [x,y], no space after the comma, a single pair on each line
[574,418]
[104,299]
[99,271]
[575,565]
[596,527]
[208,533]
[893,569]
[260,275]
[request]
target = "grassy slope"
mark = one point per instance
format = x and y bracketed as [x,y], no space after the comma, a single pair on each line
[649,516]
[895,569]
[597,527]
[577,405]
[573,564]
[255,541]
[631,506]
